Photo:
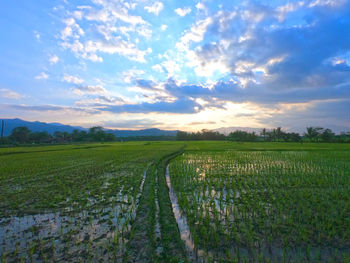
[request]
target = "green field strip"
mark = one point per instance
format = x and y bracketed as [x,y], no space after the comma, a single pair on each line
[173,247]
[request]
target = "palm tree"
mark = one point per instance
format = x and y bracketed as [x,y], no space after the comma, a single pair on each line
[279,133]
[313,132]
[274,134]
[263,133]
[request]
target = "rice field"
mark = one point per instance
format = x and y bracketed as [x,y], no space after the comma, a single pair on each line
[175,202]
[71,203]
[260,206]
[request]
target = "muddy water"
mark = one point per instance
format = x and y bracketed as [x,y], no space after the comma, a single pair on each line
[141,186]
[194,254]
[97,233]
[64,237]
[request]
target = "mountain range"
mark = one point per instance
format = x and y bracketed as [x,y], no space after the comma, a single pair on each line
[37,126]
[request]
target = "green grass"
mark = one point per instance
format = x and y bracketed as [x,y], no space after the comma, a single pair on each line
[143,244]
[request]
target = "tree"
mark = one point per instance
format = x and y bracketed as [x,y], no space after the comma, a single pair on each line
[96,133]
[58,136]
[278,133]
[263,133]
[40,137]
[274,135]
[20,134]
[291,137]
[181,136]
[67,137]
[83,136]
[242,136]
[110,137]
[78,136]
[327,135]
[312,133]
[196,136]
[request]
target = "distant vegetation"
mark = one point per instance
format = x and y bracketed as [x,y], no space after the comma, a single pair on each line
[312,134]
[22,135]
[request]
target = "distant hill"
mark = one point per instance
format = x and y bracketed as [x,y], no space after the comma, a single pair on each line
[37,126]
[228,130]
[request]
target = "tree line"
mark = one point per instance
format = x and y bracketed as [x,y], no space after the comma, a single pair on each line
[23,135]
[312,134]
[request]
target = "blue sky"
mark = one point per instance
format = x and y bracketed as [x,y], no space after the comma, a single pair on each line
[177,64]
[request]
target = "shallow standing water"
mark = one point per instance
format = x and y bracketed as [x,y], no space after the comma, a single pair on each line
[99,232]
[185,232]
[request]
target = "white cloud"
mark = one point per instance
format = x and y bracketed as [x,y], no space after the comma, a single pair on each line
[130,6]
[95,90]
[158,68]
[82,7]
[78,14]
[42,75]
[171,67]
[196,33]
[100,101]
[66,32]
[125,17]
[9,94]
[107,30]
[113,10]
[112,20]
[72,29]
[129,75]
[183,11]
[282,11]
[338,61]
[116,45]
[155,8]
[53,59]
[99,15]
[332,3]
[163,27]
[72,79]
[200,6]
[207,69]
[37,35]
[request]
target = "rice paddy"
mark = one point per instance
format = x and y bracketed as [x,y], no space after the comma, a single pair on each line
[71,203]
[259,206]
[171,202]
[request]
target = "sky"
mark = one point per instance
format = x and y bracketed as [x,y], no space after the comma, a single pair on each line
[185,65]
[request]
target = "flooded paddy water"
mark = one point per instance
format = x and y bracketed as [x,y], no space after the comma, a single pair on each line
[260,206]
[99,232]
